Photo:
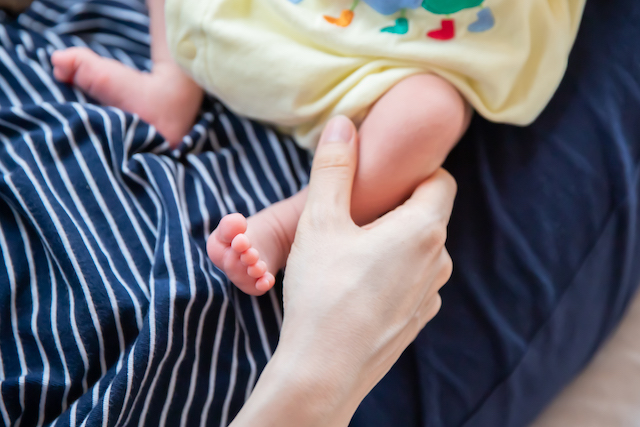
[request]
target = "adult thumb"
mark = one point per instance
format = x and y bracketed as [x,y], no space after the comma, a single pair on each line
[333,169]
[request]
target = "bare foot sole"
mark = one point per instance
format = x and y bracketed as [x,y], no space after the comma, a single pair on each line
[231,250]
[166,98]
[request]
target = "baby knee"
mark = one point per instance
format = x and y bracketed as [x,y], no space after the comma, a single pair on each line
[437,104]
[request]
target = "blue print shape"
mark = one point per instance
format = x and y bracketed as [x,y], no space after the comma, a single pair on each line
[389,7]
[485,21]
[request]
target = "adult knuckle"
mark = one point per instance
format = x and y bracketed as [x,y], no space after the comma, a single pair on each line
[316,217]
[332,158]
[436,238]
[447,266]
[449,181]
[418,322]
[434,306]
[429,309]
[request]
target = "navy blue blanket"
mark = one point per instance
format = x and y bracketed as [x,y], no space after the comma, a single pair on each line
[111,313]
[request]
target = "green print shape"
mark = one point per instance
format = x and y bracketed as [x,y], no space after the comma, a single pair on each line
[401,27]
[448,7]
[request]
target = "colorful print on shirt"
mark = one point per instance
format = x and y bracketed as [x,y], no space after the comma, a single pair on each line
[447,31]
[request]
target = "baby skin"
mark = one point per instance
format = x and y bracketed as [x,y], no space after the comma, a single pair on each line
[404,139]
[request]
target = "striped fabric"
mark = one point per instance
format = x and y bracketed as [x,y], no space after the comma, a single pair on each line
[110,311]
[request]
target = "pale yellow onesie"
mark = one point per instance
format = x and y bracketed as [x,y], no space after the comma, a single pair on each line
[297,63]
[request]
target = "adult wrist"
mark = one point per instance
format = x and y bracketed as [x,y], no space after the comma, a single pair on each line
[299,391]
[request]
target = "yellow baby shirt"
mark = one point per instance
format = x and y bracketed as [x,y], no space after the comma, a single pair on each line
[297,63]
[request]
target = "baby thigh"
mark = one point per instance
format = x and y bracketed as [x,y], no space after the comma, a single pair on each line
[404,139]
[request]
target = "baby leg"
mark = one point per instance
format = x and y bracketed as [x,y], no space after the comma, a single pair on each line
[403,140]
[167,98]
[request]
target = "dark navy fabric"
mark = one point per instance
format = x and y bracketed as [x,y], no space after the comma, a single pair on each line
[545,239]
[111,313]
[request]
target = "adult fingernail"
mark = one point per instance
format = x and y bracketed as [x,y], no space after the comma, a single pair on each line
[339,129]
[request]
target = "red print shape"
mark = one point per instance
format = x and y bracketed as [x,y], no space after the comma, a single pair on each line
[447,32]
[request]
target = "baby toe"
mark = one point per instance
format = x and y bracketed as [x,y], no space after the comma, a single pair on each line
[250,257]
[257,270]
[266,282]
[240,243]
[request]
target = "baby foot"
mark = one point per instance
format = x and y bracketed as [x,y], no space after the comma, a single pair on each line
[231,250]
[250,251]
[166,98]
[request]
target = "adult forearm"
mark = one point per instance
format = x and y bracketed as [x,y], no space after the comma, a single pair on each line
[295,391]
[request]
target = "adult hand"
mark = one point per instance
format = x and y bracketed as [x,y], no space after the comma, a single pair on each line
[354,297]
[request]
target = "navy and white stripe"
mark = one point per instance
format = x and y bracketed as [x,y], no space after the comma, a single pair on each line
[110,311]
